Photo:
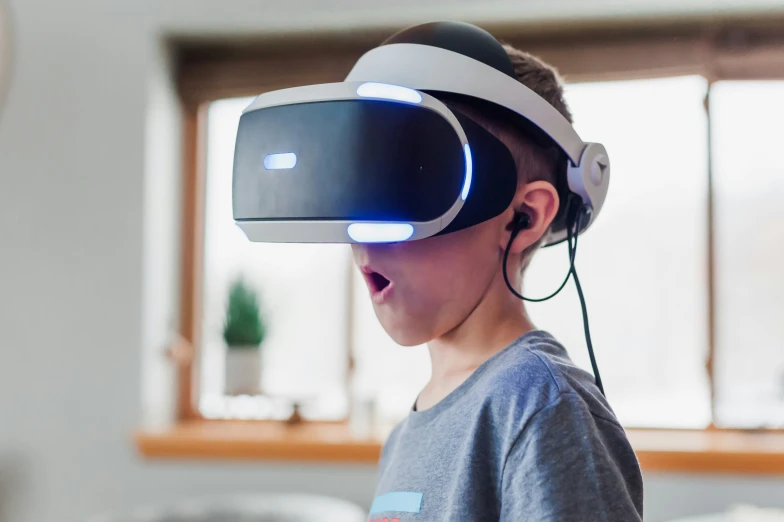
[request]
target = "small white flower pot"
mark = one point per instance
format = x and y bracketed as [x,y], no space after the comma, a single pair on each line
[243,371]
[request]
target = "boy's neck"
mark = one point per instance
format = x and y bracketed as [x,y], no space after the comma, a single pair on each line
[495,323]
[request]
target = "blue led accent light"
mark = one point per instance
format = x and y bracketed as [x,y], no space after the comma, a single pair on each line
[389,92]
[380,232]
[469,171]
[284,160]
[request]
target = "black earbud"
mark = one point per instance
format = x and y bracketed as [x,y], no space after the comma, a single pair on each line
[521,222]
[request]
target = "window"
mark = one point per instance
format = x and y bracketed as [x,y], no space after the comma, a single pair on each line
[647,305]
[746,123]
[644,267]
[681,272]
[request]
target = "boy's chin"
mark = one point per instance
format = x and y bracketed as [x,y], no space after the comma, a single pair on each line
[412,328]
[405,335]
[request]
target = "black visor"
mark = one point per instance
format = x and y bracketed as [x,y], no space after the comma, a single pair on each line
[366,160]
[355,160]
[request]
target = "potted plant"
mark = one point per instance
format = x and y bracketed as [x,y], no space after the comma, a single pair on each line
[243,332]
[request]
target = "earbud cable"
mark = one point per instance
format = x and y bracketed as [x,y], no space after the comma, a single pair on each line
[573,233]
[572,252]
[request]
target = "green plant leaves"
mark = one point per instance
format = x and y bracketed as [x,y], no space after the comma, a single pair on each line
[243,326]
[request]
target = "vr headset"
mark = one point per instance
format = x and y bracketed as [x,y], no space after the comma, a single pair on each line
[380,157]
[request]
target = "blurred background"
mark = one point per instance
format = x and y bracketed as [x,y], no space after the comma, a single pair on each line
[150,355]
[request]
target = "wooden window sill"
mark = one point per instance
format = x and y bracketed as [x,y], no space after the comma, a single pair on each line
[260,440]
[709,451]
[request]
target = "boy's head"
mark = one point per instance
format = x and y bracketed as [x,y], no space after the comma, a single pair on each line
[421,290]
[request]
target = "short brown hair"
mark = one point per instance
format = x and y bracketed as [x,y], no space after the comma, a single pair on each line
[536,158]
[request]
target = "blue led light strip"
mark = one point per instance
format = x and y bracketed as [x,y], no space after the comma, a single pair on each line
[389,92]
[284,160]
[469,173]
[380,232]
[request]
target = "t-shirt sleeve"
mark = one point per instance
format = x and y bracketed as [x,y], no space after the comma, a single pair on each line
[569,465]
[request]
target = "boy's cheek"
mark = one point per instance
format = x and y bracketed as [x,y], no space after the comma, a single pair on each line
[423,307]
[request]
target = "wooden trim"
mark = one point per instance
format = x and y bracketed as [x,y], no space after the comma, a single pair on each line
[718,451]
[722,48]
[709,451]
[730,48]
[212,78]
[212,70]
[194,117]
[236,440]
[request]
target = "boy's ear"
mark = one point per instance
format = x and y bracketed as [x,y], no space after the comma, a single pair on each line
[539,201]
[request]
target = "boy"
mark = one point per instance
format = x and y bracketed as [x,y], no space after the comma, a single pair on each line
[507,428]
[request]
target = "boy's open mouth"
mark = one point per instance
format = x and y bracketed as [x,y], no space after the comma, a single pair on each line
[377,283]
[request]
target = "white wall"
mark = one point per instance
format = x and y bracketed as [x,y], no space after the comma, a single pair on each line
[88,252]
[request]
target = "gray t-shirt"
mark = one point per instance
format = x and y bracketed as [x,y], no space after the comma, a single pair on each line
[526,438]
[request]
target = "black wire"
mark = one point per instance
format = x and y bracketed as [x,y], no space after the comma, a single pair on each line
[594,366]
[571,241]
[572,252]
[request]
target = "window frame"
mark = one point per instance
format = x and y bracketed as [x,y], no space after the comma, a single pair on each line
[207,70]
